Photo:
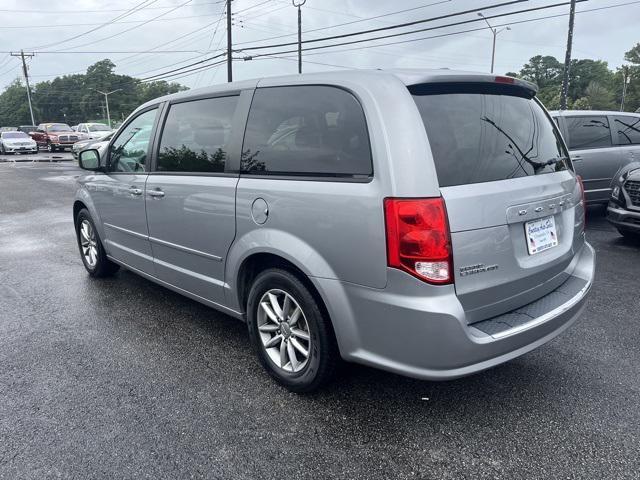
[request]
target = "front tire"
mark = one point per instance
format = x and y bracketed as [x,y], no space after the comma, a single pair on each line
[92,253]
[50,148]
[292,336]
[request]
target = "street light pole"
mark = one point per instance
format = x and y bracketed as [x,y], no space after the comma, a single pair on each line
[106,101]
[495,33]
[298,5]
[626,79]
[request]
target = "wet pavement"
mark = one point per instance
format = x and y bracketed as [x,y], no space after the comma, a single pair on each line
[121,378]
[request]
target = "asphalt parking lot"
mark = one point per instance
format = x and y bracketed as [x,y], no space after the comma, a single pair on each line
[121,378]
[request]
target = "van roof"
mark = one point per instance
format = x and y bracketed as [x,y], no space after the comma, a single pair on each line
[407,76]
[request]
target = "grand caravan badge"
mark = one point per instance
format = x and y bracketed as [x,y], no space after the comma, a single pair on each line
[477,268]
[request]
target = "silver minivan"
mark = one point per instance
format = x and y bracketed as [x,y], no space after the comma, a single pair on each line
[601,143]
[428,223]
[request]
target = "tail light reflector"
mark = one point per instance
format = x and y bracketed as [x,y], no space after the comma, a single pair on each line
[582,201]
[418,238]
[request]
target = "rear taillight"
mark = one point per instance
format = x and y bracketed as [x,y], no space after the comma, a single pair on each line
[418,239]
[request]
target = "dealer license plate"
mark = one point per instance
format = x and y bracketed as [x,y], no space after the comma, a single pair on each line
[541,235]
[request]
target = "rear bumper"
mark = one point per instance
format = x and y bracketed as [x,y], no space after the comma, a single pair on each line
[624,219]
[401,330]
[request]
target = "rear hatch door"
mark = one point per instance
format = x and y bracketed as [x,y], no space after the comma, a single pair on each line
[513,202]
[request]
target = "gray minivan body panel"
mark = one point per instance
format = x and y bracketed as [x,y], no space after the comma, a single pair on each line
[333,230]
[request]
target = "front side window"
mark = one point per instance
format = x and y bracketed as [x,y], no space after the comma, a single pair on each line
[128,153]
[306,130]
[483,132]
[196,135]
[627,128]
[588,132]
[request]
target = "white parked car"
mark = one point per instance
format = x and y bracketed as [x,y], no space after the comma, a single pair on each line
[94,130]
[17,142]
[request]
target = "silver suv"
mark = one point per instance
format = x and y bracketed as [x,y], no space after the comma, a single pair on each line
[601,145]
[428,223]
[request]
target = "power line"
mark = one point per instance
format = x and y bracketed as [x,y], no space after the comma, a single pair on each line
[517,22]
[98,11]
[58,25]
[134,27]
[408,33]
[347,23]
[406,24]
[138,7]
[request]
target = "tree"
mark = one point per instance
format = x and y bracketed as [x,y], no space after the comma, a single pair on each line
[73,98]
[14,107]
[599,97]
[542,70]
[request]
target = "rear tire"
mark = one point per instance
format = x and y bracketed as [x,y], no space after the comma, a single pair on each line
[92,253]
[302,327]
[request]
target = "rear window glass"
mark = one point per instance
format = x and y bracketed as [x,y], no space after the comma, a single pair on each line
[627,128]
[306,130]
[487,135]
[588,132]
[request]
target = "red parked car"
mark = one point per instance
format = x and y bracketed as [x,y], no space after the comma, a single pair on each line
[55,136]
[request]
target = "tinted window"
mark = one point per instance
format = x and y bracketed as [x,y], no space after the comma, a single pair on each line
[588,132]
[196,135]
[487,136]
[628,129]
[306,130]
[128,153]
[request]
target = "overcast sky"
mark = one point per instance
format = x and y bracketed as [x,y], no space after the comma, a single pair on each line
[49,26]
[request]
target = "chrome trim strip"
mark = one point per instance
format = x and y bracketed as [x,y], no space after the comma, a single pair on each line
[597,190]
[187,272]
[185,249]
[547,316]
[129,250]
[187,293]
[130,232]
[165,243]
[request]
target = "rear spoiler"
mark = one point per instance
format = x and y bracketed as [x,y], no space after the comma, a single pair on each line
[475,84]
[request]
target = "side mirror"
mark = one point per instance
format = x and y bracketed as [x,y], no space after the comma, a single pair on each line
[90,160]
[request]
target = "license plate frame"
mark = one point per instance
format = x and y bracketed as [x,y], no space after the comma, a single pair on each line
[541,235]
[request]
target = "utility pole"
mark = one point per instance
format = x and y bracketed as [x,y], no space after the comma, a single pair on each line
[567,58]
[495,32]
[26,79]
[298,5]
[106,101]
[229,53]
[626,79]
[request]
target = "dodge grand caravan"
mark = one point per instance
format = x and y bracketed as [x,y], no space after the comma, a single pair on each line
[428,223]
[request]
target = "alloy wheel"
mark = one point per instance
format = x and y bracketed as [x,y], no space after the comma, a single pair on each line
[88,243]
[284,330]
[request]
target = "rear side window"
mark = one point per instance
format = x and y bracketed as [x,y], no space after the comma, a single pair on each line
[196,135]
[588,132]
[306,130]
[627,128]
[484,133]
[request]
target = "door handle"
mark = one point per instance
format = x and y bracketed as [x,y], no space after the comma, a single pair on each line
[156,193]
[576,158]
[135,191]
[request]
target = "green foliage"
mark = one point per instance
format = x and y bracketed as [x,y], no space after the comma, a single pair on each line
[592,85]
[73,99]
